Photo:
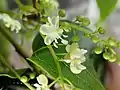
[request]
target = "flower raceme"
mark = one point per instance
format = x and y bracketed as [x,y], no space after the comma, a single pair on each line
[75,56]
[10,23]
[52,32]
[43,83]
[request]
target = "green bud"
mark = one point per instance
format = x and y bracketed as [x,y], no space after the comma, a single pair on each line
[78,18]
[75,38]
[101,30]
[112,58]
[106,55]
[62,13]
[85,21]
[95,39]
[112,41]
[64,24]
[32,76]
[87,35]
[24,79]
[98,50]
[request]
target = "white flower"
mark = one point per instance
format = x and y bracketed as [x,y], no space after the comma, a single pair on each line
[76,67]
[10,23]
[52,32]
[75,57]
[43,83]
[74,51]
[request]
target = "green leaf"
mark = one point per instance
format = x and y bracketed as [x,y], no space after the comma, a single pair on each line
[38,42]
[106,7]
[86,80]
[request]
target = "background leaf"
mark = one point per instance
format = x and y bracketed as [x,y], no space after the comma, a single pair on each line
[86,80]
[106,7]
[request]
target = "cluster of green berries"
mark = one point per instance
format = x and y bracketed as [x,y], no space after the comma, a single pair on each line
[108,45]
[25,78]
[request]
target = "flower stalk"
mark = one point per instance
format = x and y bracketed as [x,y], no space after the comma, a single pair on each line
[58,65]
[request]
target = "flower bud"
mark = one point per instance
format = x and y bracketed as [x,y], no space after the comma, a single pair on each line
[24,79]
[85,21]
[106,55]
[101,30]
[95,39]
[62,13]
[112,58]
[87,35]
[98,50]
[78,18]
[112,41]
[32,76]
[75,38]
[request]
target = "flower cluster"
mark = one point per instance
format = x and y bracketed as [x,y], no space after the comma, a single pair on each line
[43,83]
[10,23]
[52,32]
[75,56]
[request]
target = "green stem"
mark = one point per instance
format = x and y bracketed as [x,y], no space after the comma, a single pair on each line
[78,27]
[9,37]
[58,65]
[16,74]
[51,84]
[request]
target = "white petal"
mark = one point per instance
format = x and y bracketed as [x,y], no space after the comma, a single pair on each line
[67,48]
[7,25]
[42,79]
[55,21]
[65,36]
[6,18]
[48,40]
[68,87]
[65,42]
[60,31]
[50,21]
[74,45]
[36,85]
[39,88]
[76,68]
[46,29]
[82,58]
[83,51]
[75,53]
[67,60]
[45,88]
[12,28]
[56,41]
[55,45]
